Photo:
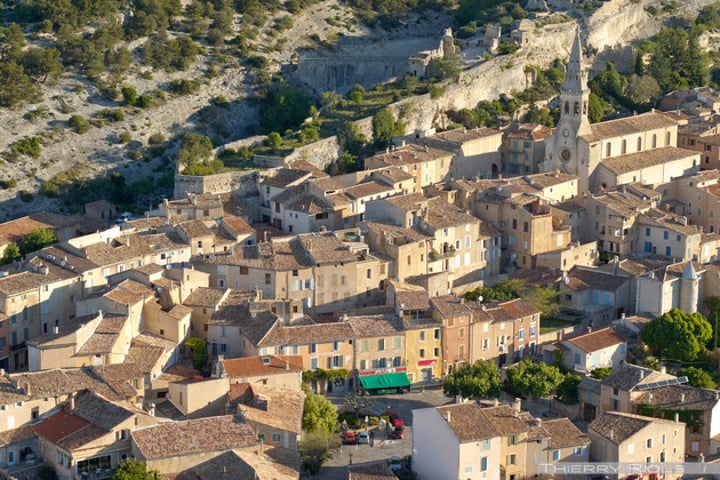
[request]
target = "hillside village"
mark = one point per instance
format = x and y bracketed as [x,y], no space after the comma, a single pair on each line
[193,339]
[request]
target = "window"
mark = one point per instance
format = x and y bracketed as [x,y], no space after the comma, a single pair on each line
[422,335]
[268,278]
[313,364]
[436,334]
[649,443]
[512,440]
[468,469]
[663,439]
[381,344]
[512,459]
[422,353]
[461,333]
[363,364]
[243,270]
[368,273]
[484,464]
[647,231]
[313,348]
[485,445]
[436,352]
[364,346]
[397,343]
[336,361]
[276,437]
[578,451]
[336,345]
[556,455]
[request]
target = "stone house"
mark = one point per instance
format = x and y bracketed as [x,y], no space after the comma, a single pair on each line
[276,415]
[274,371]
[623,437]
[604,348]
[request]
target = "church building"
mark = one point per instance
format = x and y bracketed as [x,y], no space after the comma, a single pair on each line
[640,148]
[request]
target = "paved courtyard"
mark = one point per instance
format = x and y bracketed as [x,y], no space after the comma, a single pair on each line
[384,447]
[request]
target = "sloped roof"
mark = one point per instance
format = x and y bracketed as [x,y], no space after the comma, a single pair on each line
[469,422]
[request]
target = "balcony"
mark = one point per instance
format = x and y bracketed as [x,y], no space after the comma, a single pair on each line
[446,252]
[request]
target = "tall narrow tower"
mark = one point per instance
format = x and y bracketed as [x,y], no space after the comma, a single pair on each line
[562,149]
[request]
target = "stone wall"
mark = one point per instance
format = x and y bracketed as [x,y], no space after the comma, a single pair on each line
[244,183]
[320,153]
[339,75]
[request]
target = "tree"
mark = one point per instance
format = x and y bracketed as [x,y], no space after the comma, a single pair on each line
[677,335]
[697,377]
[596,108]
[383,124]
[316,447]
[41,63]
[37,239]
[444,68]
[356,94]
[319,414]
[567,391]
[194,148]
[15,85]
[545,299]
[11,253]
[530,378]
[479,380]
[131,469]
[199,352]
[129,95]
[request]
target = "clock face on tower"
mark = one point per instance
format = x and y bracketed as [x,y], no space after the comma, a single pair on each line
[565,155]
[565,132]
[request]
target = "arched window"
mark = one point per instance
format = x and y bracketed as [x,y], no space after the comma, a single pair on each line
[576,110]
[567,107]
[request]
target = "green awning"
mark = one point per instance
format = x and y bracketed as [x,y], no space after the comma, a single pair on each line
[387,380]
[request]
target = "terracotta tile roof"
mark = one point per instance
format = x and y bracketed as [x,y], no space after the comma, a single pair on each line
[618,427]
[119,373]
[441,214]
[393,174]
[408,155]
[628,126]
[99,411]
[16,283]
[229,464]
[462,135]
[469,422]
[410,297]
[72,262]
[629,376]
[278,255]
[579,279]
[367,189]
[146,338]
[308,167]
[130,292]
[371,471]
[304,334]
[308,203]
[14,230]
[104,337]
[144,356]
[326,248]
[262,365]
[328,184]
[63,381]
[175,439]
[636,161]
[285,177]
[680,397]
[564,433]
[59,426]
[509,422]
[284,409]
[194,229]
[274,463]
[16,435]
[597,340]
[409,202]
[237,225]
[527,131]
[206,297]
[450,306]
[401,234]
[364,326]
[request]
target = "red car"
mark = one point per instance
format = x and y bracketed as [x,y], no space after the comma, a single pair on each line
[349,438]
[397,432]
[395,419]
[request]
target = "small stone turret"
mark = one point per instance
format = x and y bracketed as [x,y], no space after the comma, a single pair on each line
[689,289]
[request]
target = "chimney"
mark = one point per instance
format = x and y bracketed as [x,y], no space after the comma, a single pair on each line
[287,365]
[447,417]
[589,329]
[56,330]
[677,417]
[682,397]
[517,405]
[127,240]
[72,401]
[611,434]
[663,369]
[496,402]
[151,409]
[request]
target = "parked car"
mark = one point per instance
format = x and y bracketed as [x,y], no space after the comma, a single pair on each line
[397,432]
[350,438]
[363,437]
[395,463]
[395,419]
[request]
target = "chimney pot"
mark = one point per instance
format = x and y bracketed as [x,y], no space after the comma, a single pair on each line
[677,417]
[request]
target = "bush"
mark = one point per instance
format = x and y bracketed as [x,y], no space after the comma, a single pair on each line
[26,196]
[111,115]
[79,124]
[135,154]
[129,95]
[28,146]
[8,184]
[436,91]
[50,189]
[144,101]
[156,139]
[184,86]
[125,137]
[221,101]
